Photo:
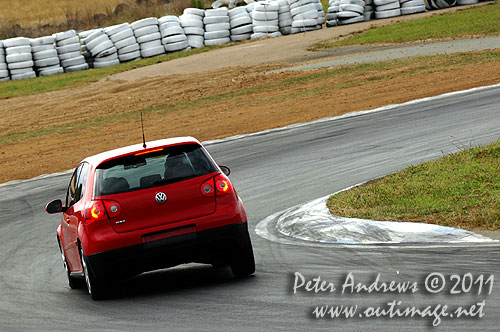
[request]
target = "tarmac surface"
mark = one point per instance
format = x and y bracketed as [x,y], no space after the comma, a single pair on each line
[273,171]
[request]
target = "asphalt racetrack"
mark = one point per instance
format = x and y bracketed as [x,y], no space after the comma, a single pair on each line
[274,171]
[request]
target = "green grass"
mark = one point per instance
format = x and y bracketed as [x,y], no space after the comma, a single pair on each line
[459,190]
[325,5]
[11,89]
[476,21]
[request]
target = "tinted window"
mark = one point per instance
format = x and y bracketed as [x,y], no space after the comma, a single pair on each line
[135,172]
[76,187]
[70,194]
[81,181]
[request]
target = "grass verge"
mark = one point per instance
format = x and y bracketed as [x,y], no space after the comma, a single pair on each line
[476,21]
[459,190]
[21,88]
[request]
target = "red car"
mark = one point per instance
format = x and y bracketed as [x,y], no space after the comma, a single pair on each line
[146,207]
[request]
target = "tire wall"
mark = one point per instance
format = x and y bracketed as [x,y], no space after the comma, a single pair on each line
[69,51]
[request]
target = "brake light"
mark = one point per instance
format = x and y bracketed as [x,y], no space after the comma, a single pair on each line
[95,212]
[207,188]
[223,185]
[113,208]
[147,152]
[102,210]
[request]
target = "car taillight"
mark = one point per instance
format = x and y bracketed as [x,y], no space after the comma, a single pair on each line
[95,212]
[223,185]
[113,208]
[207,188]
[102,210]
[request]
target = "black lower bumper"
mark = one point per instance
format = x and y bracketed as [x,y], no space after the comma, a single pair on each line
[207,246]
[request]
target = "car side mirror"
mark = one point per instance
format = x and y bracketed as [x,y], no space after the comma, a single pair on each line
[55,206]
[225,170]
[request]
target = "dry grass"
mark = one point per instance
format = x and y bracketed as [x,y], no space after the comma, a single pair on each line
[40,12]
[43,17]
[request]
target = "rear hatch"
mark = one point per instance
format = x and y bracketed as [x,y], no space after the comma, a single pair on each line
[140,209]
[157,188]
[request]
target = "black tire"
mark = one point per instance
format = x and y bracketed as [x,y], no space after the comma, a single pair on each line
[242,262]
[218,264]
[97,288]
[74,283]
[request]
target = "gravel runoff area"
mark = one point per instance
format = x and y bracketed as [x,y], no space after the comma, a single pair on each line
[395,52]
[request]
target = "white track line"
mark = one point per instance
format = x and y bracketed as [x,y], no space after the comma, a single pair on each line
[266,229]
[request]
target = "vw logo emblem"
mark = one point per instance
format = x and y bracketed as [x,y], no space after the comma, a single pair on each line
[160,198]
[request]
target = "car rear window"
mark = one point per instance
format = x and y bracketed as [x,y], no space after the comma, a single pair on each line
[141,171]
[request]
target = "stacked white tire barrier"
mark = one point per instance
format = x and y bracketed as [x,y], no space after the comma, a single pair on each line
[265,19]
[351,11]
[4,70]
[173,37]
[217,27]
[321,14]
[466,2]
[285,17]
[83,48]
[123,38]
[102,49]
[387,8]
[147,33]
[409,7]
[66,51]
[331,15]
[69,51]
[249,8]
[304,15]
[192,23]
[369,10]
[446,3]
[241,24]
[19,58]
[442,4]
[45,57]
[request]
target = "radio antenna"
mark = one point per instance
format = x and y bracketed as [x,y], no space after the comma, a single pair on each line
[143,137]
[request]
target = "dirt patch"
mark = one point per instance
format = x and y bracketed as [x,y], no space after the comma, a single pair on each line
[51,132]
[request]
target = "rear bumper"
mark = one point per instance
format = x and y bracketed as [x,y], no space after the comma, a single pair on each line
[203,246]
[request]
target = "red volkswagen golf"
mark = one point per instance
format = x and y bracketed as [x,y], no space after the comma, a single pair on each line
[141,208]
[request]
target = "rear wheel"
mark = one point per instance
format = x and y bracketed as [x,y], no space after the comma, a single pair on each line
[96,287]
[242,261]
[217,265]
[74,283]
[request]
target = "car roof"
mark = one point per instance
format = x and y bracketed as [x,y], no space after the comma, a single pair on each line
[126,150]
